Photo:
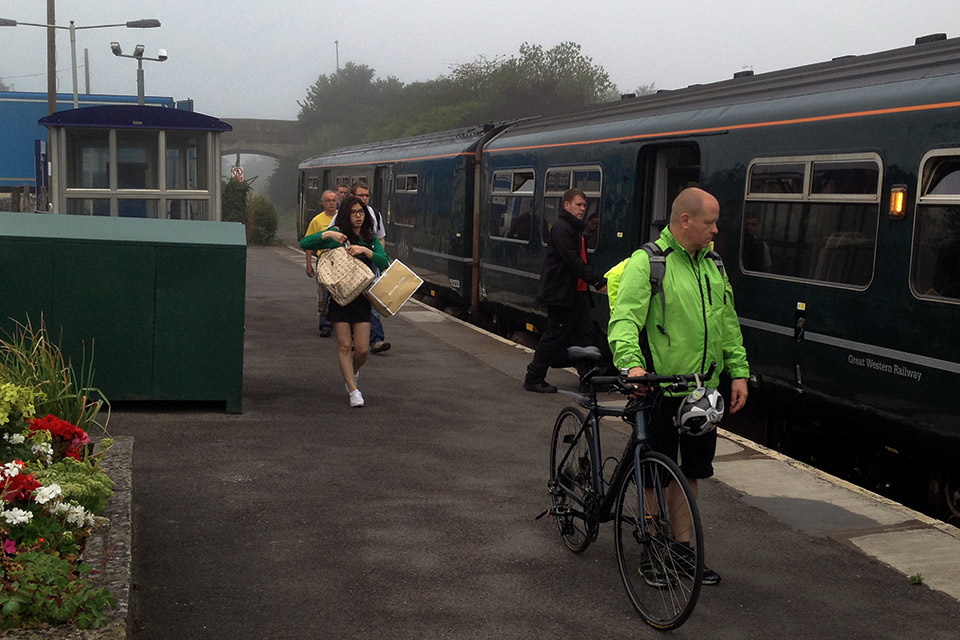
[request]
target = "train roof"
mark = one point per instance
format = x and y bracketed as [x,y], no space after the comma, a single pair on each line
[777,91]
[428,145]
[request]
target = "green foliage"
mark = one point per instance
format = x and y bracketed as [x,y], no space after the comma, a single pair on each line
[352,106]
[46,588]
[235,201]
[29,358]
[84,482]
[916,579]
[263,216]
[16,403]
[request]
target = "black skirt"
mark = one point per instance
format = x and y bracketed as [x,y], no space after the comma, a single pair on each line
[356,311]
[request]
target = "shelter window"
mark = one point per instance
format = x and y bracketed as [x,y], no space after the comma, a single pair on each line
[88,166]
[813,218]
[186,159]
[935,265]
[406,184]
[511,206]
[139,173]
[589,180]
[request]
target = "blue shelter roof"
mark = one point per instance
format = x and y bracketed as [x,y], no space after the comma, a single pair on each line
[134,117]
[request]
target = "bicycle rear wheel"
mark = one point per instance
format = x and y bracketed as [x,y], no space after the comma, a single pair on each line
[659,541]
[571,478]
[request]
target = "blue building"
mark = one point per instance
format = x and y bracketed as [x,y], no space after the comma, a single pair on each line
[19,113]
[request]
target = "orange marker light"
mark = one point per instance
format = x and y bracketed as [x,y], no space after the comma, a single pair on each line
[898,201]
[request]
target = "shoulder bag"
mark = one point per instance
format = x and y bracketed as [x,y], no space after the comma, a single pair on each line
[344,276]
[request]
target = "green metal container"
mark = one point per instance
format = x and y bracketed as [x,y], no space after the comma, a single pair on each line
[160,302]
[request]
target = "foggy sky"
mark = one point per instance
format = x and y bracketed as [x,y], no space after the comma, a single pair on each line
[257,59]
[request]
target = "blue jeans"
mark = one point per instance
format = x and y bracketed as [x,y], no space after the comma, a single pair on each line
[324,322]
[376,327]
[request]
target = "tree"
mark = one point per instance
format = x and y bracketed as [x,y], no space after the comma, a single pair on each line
[538,82]
[4,86]
[235,201]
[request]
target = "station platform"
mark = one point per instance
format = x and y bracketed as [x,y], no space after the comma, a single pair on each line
[413,517]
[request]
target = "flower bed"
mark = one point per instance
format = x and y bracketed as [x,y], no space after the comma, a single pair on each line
[53,486]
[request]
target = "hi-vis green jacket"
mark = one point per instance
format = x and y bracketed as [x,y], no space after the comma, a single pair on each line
[699,325]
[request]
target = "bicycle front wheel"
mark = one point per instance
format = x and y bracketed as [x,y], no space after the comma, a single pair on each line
[571,476]
[659,541]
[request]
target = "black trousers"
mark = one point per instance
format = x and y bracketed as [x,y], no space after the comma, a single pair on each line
[565,327]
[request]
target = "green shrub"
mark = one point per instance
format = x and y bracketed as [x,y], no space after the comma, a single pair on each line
[263,216]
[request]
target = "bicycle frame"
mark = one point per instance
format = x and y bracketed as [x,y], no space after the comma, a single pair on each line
[636,444]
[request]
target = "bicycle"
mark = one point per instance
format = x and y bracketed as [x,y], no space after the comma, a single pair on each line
[659,536]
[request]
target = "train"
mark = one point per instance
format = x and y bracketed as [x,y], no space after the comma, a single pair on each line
[839,187]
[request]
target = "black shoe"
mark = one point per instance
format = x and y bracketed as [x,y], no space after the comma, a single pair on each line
[539,387]
[654,576]
[710,576]
[380,347]
[325,332]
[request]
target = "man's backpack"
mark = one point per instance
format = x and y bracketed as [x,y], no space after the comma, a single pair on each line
[658,270]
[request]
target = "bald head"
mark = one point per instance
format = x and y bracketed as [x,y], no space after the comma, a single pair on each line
[693,219]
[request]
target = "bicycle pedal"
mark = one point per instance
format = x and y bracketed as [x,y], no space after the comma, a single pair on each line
[547,512]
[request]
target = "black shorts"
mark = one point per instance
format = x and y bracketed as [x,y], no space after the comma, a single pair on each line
[696,452]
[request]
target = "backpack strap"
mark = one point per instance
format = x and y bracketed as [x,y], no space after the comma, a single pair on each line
[717,260]
[658,269]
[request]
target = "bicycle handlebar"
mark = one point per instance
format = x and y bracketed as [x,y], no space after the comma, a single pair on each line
[623,384]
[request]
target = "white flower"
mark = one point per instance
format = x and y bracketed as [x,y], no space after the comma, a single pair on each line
[43,447]
[46,494]
[76,515]
[58,508]
[16,438]
[16,516]
[11,469]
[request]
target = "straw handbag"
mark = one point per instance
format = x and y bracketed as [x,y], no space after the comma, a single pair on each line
[344,276]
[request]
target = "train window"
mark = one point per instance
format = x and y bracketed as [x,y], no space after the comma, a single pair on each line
[852,178]
[813,219]
[406,202]
[558,180]
[777,178]
[511,205]
[406,184]
[935,268]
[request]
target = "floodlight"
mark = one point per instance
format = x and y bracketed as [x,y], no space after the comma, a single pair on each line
[138,51]
[115,47]
[162,55]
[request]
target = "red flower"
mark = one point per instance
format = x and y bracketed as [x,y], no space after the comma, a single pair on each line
[60,429]
[19,487]
[73,452]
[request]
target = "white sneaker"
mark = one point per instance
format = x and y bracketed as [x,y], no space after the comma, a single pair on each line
[356,381]
[356,398]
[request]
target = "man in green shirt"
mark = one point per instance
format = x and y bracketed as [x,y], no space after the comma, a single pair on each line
[695,326]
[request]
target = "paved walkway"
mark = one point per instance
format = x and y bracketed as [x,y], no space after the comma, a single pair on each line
[413,517]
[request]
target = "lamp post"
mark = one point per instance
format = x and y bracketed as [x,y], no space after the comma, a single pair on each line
[139,57]
[133,24]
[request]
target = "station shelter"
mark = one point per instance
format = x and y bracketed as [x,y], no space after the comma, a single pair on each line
[133,161]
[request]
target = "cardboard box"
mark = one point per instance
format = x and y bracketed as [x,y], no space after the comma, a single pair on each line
[394,287]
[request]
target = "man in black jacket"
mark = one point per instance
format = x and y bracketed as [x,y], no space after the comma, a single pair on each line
[563,290]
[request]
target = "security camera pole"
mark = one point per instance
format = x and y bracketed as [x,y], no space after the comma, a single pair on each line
[139,57]
[51,50]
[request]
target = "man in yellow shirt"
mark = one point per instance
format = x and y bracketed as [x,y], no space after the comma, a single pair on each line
[320,223]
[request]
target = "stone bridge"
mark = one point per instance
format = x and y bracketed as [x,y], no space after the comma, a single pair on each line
[274,138]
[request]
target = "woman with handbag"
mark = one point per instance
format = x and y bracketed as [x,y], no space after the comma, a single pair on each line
[351,321]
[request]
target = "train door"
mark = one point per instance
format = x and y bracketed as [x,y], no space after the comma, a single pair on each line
[663,172]
[301,197]
[381,190]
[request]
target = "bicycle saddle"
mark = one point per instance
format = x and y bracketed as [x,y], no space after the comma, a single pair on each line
[580,354]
